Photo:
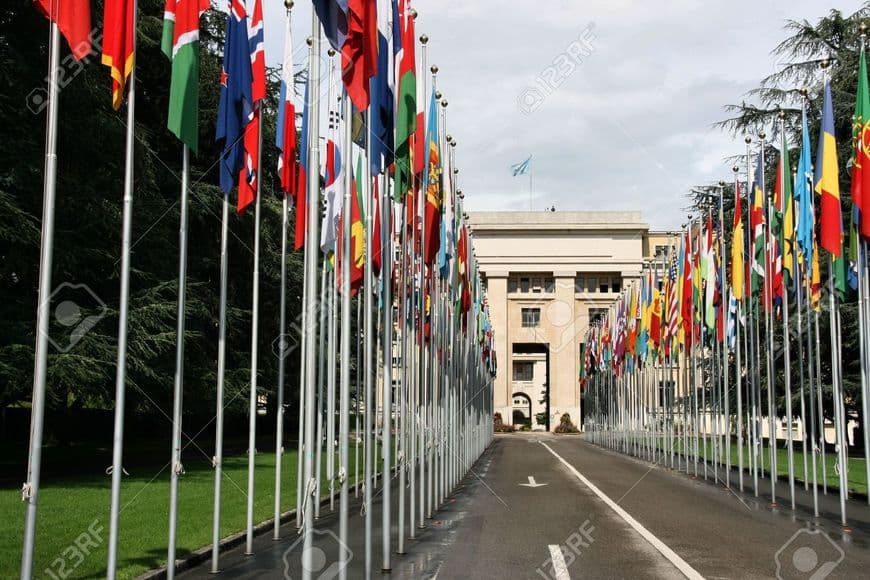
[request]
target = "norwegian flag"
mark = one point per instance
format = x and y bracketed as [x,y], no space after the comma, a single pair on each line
[250,172]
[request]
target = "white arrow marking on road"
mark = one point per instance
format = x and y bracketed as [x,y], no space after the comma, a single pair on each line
[532,483]
[560,568]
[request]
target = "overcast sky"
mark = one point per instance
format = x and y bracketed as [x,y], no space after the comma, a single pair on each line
[626,128]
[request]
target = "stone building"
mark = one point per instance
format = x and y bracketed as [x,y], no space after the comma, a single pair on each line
[547,275]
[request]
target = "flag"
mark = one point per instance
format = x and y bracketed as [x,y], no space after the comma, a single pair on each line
[708,272]
[757,222]
[522,167]
[432,185]
[334,187]
[357,232]
[359,53]
[673,304]
[73,18]
[738,267]
[236,105]
[827,182]
[406,111]
[382,89]
[377,246]
[686,298]
[250,173]
[804,198]
[861,134]
[786,207]
[300,201]
[285,131]
[119,30]
[333,17]
[181,45]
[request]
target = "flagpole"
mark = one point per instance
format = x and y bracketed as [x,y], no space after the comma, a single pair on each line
[217,460]
[387,285]
[863,291]
[282,353]
[531,171]
[738,371]
[178,392]
[344,372]
[322,305]
[785,331]
[725,307]
[123,310]
[313,207]
[421,372]
[368,367]
[30,490]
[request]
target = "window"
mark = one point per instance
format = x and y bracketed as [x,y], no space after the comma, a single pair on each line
[604,286]
[579,284]
[598,283]
[592,285]
[531,317]
[616,286]
[597,315]
[531,284]
[524,371]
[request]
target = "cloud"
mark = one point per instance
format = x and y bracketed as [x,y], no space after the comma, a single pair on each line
[629,128]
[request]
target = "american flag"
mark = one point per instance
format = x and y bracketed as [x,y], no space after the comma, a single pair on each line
[673,303]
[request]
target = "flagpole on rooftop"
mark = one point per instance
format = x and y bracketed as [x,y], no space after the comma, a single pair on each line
[123,309]
[30,490]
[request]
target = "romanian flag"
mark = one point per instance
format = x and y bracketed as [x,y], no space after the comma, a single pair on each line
[119,44]
[827,182]
[738,267]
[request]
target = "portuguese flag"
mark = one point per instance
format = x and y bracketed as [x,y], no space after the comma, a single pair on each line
[406,117]
[181,45]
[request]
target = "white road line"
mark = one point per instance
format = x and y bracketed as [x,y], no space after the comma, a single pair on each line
[665,551]
[560,568]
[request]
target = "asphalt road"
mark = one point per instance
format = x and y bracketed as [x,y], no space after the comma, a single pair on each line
[587,513]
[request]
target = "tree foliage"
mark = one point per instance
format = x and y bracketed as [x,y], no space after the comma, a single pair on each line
[88,231]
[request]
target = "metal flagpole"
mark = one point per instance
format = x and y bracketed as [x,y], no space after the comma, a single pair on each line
[422,423]
[785,335]
[123,309]
[863,291]
[358,393]
[30,490]
[344,404]
[385,207]
[282,337]
[368,367]
[313,235]
[725,306]
[217,461]
[738,371]
[255,334]
[768,322]
[177,468]
[839,418]
[321,307]
[331,352]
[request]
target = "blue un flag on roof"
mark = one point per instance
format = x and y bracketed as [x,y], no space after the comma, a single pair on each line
[521,168]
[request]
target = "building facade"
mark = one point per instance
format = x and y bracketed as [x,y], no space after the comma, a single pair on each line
[548,275]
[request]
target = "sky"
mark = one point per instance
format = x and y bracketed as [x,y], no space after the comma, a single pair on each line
[613,99]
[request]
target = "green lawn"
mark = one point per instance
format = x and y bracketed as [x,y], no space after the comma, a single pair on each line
[857,476]
[72,506]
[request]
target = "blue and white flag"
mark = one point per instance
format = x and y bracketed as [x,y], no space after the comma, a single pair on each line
[521,168]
